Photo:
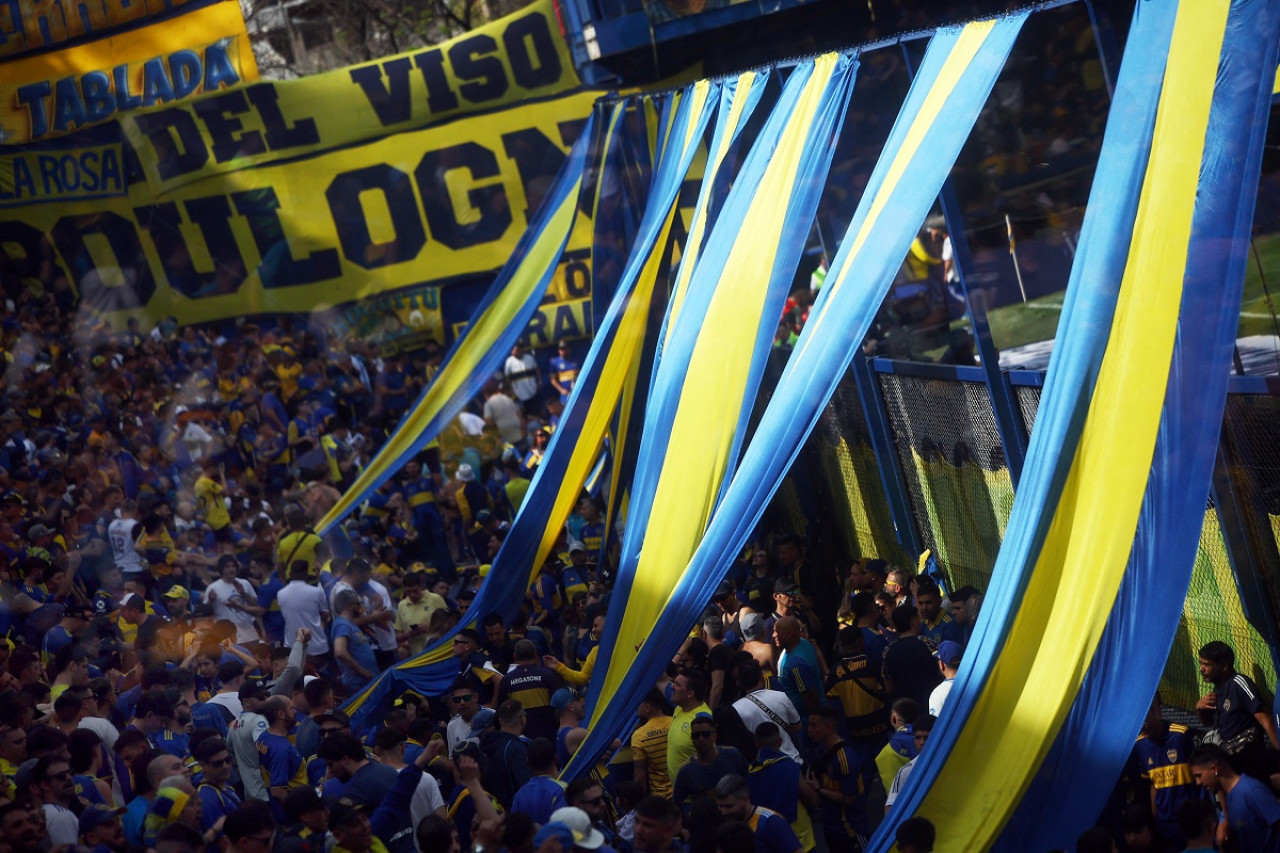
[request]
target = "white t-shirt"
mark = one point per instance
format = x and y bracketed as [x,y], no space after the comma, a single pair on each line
[776,701]
[102,728]
[505,414]
[526,387]
[899,780]
[246,628]
[301,605]
[61,824]
[426,799]
[230,701]
[124,550]
[939,696]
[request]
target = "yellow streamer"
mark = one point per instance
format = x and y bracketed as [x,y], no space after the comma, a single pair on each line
[701,437]
[1077,575]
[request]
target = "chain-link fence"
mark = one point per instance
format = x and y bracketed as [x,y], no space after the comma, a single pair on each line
[953,464]
[960,495]
[1212,612]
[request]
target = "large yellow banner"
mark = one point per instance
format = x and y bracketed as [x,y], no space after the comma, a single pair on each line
[58,92]
[28,26]
[422,208]
[514,59]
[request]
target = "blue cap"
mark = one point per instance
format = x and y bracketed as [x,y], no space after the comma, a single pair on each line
[555,830]
[482,720]
[949,652]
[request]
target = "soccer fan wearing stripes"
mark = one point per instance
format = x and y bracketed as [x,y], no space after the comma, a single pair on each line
[532,684]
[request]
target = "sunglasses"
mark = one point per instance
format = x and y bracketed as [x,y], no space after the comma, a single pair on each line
[700,735]
[458,700]
[222,762]
[594,801]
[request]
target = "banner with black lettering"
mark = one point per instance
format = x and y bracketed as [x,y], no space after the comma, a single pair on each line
[192,50]
[512,60]
[407,212]
[34,26]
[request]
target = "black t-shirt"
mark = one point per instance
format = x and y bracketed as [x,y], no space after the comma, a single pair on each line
[1238,699]
[909,663]
[721,659]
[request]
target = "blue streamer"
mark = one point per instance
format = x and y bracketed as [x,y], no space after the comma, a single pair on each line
[1073,784]
[669,382]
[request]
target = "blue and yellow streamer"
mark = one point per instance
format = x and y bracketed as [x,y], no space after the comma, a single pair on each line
[709,375]
[497,324]
[1008,708]
[1126,666]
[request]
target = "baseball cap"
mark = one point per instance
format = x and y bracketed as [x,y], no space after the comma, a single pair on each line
[37,531]
[483,720]
[336,716]
[343,812]
[585,835]
[575,545]
[22,777]
[562,697]
[178,592]
[723,591]
[96,815]
[787,587]
[949,652]
[133,601]
[752,626]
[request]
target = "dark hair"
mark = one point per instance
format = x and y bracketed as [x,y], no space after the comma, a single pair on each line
[862,603]
[906,708]
[128,738]
[768,731]
[578,787]
[850,640]
[249,817]
[208,748]
[542,753]
[510,711]
[696,681]
[927,588]
[154,702]
[1192,815]
[470,635]
[656,808]
[747,674]
[903,616]
[387,739]
[525,650]
[1096,840]
[138,768]
[733,836]
[45,739]
[1216,651]
[340,745]
[82,745]
[825,712]
[916,831]
[315,691]
[924,723]
[230,671]
[493,619]
[963,594]
[434,833]
[68,655]
[40,773]
[517,830]
[1207,754]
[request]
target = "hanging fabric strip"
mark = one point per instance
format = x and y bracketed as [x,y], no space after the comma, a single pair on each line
[1068,793]
[1031,685]
[711,369]
[576,444]
[739,97]
[1082,332]
[496,325]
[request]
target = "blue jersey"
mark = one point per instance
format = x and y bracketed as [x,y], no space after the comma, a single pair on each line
[798,670]
[565,372]
[1163,762]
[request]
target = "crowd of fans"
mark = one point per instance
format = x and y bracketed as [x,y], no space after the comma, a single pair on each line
[180,639]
